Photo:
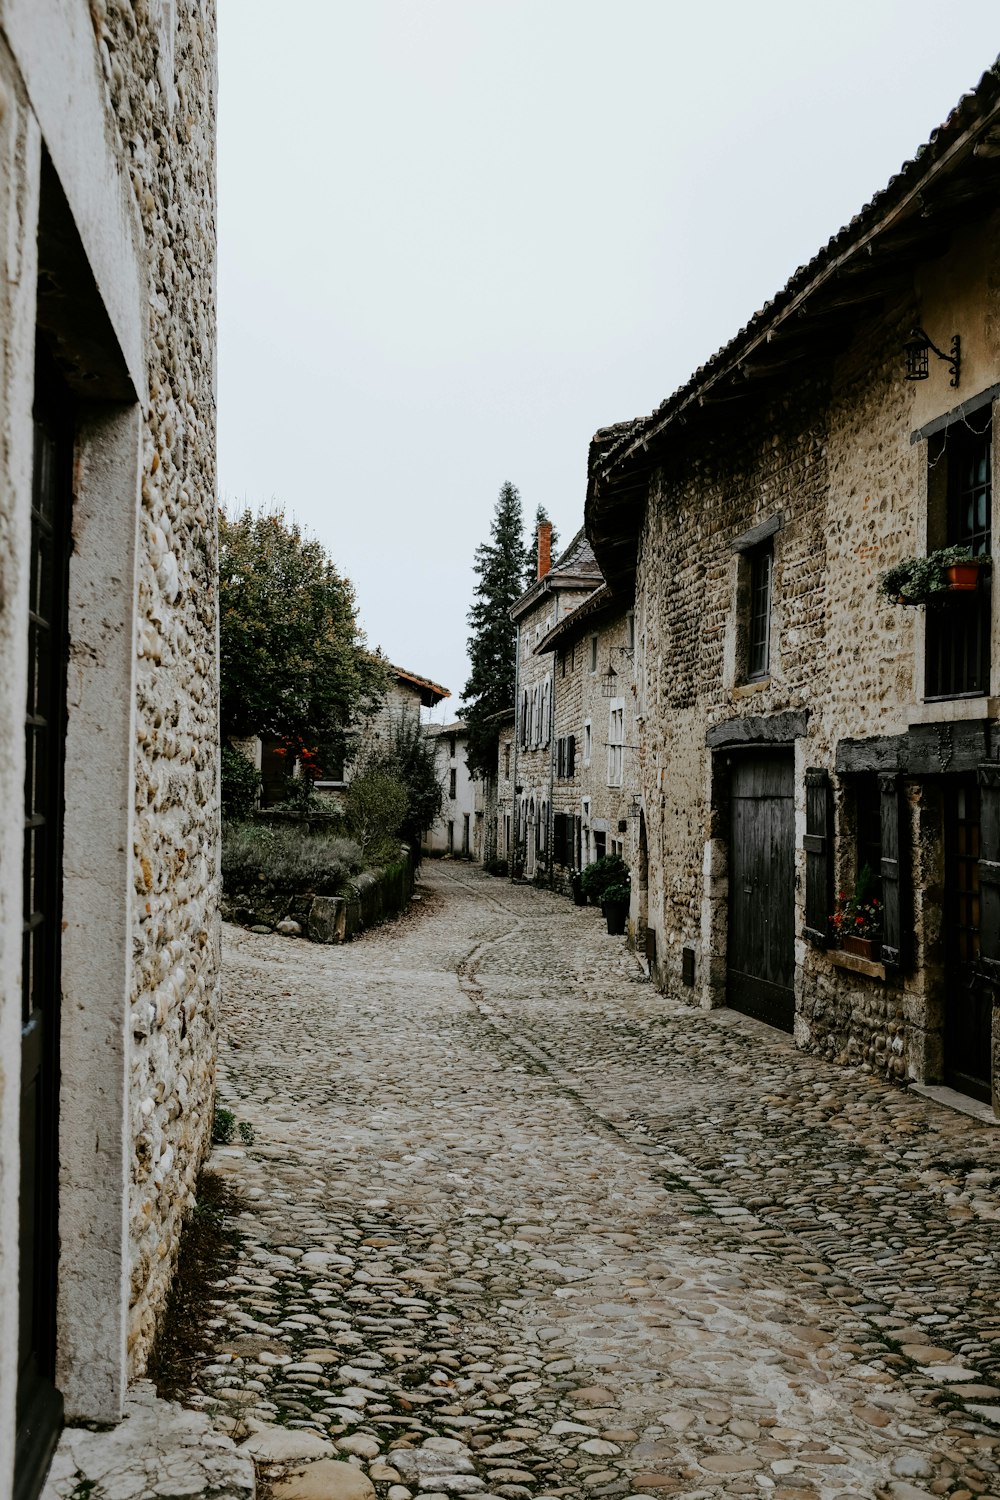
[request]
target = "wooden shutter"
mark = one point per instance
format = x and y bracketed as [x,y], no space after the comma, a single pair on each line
[571,755]
[989,871]
[892,874]
[819,864]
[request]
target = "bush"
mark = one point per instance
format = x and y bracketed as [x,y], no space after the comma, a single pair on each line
[240,784]
[610,870]
[377,803]
[495,867]
[281,857]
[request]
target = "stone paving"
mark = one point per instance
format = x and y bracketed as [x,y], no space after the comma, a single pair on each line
[517,1225]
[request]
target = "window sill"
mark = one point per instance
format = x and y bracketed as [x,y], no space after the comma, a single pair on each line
[747,689]
[856,964]
[954,710]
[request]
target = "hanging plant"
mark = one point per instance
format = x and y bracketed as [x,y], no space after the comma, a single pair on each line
[917,580]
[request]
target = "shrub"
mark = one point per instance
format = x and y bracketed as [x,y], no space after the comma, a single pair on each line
[223,1126]
[240,784]
[281,857]
[610,870]
[377,804]
[620,894]
[495,866]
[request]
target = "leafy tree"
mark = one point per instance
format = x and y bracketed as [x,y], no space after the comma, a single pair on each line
[531,566]
[408,755]
[240,784]
[500,571]
[376,805]
[293,662]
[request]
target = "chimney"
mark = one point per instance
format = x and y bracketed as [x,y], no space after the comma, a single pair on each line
[544,547]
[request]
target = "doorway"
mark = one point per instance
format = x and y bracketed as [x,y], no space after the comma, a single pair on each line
[760,972]
[968,1015]
[39,1404]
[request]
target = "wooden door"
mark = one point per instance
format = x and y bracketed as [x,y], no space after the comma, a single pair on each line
[761,957]
[968,1019]
[39,1406]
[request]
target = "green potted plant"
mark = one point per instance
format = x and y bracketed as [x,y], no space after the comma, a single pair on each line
[856,921]
[610,869]
[922,580]
[576,885]
[617,898]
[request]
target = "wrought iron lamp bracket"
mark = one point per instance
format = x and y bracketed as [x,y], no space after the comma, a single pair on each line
[916,348]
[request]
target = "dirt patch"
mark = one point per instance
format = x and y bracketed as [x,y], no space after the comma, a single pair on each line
[208,1253]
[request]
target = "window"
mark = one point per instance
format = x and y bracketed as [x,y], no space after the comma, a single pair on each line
[593,653]
[451,746]
[958,628]
[868,830]
[630,630]
[761,562]
[616,742]
[524,720]
[600,843]
[588,743]
[566,756]
[545,726]
[506,761]
[452,777]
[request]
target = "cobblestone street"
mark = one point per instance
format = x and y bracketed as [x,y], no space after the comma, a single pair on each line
[515,1224]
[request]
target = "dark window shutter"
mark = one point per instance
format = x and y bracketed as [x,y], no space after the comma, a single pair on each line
[818,846]
[571,755]
[892,873]
[989,871]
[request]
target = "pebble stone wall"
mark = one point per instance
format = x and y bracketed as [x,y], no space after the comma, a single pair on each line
[158,61]
[833,456]
[837,464]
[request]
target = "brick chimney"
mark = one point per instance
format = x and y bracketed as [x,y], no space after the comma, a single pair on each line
[544,547]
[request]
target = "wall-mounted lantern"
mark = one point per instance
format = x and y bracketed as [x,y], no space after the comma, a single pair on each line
[916,350]
[609,679]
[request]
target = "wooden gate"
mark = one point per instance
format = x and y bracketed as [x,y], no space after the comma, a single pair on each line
[968,1019]
[761,956]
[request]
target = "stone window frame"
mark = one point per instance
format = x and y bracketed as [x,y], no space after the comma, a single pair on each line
[588,742]
[750,549]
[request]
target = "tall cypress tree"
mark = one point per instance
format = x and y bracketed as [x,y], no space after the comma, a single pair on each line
[500,568]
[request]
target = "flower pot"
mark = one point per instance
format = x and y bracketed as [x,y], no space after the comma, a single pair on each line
[579,896]
[870,948]
[616,916]
[963,575]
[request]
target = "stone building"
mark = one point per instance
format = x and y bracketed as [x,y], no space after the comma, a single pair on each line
[796,725]
[595,807]
[109,936]
[557,588]
[406,696]
[458,829]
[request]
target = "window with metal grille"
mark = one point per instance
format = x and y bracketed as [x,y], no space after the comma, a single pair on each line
[759,621]
[958,626]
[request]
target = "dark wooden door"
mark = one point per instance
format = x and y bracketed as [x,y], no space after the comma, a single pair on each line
[39,1406]
[761,960]
[968,1018]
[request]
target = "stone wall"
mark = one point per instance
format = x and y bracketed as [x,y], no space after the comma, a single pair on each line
[160,75]
[833,456]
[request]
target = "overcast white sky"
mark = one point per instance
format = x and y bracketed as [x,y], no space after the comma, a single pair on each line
[458,236]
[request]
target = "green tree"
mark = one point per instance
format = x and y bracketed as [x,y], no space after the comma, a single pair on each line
[531,566]
[499,567]
[293,662]
[408,756]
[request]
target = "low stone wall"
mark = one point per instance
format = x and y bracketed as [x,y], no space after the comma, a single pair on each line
[368,899]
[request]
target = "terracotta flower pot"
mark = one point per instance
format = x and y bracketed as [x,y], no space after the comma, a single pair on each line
[964,575]
[870,948]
